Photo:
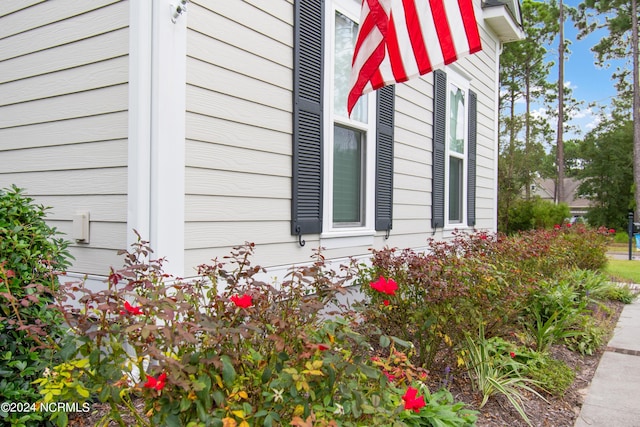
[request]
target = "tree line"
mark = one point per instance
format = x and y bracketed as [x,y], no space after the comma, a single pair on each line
[606,159]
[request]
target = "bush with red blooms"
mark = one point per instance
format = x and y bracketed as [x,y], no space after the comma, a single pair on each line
[433,298]
[227,349]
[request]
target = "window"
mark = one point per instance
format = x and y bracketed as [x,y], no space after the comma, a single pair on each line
[342,176]
[454,151]
[349,149]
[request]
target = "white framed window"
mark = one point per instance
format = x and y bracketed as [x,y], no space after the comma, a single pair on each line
[349,143]
[456,149]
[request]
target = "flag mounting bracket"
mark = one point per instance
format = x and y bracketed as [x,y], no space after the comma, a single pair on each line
[177,10]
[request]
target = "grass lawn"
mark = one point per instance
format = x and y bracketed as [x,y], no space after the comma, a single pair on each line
[624,269]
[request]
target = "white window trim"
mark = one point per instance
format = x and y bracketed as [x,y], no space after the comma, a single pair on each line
[351,9]
[455,77]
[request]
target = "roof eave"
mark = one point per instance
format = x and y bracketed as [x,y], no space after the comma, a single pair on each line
[501,21]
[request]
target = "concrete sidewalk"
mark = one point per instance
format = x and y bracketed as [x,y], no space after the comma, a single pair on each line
[613,397]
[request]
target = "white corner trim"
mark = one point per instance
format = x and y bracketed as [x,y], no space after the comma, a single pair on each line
[139,147]
[168,93]
[496,133]
[156,168]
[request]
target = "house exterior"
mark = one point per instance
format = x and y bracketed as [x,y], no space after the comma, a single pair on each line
[207,124]
[546,190]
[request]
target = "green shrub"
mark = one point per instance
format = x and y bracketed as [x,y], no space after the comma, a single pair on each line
[589,334]
[552,375]
[595,285]
[535,213]
[621,292]
[586,246]
[31,256]
[622,237]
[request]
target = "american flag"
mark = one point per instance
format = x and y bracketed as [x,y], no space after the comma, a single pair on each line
[402,39]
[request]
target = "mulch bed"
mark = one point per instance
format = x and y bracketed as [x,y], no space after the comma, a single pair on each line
[557,411]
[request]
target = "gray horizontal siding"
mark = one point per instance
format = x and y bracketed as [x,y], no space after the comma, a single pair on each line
[239,136]
[239,122]
[63,116]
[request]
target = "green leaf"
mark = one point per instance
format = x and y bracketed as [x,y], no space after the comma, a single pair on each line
[246,407]
[384,341]
[172,420]
[402,343]
[368,409]
[82,391]
[202,413]
[218,397]
[62,419]
[266,375]
[228,372]
[68,351]
[184,404]
[370,372]
[375,400]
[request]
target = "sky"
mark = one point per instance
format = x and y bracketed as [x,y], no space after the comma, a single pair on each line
[588,82]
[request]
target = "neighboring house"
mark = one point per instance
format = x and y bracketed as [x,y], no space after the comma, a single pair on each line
[226,123]
[546,190]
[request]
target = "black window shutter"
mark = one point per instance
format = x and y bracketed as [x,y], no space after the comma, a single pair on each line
[439,141]
[306,203]
[384,157]
[471,159]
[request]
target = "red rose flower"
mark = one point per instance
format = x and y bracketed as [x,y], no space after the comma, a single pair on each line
[385,286]
[411,401]
[156,383]
[557,226]
[244,301]
[129,309]
[386,302]
[612,231]
[512,354]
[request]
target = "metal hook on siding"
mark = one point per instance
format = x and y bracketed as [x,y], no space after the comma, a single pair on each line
[388,233]
[299,234]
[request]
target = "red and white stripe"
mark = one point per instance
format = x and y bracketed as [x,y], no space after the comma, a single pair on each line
[402,39]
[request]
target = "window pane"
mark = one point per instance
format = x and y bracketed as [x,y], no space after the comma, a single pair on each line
[456,120]
[345,40]
[455,189]
[347,177]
